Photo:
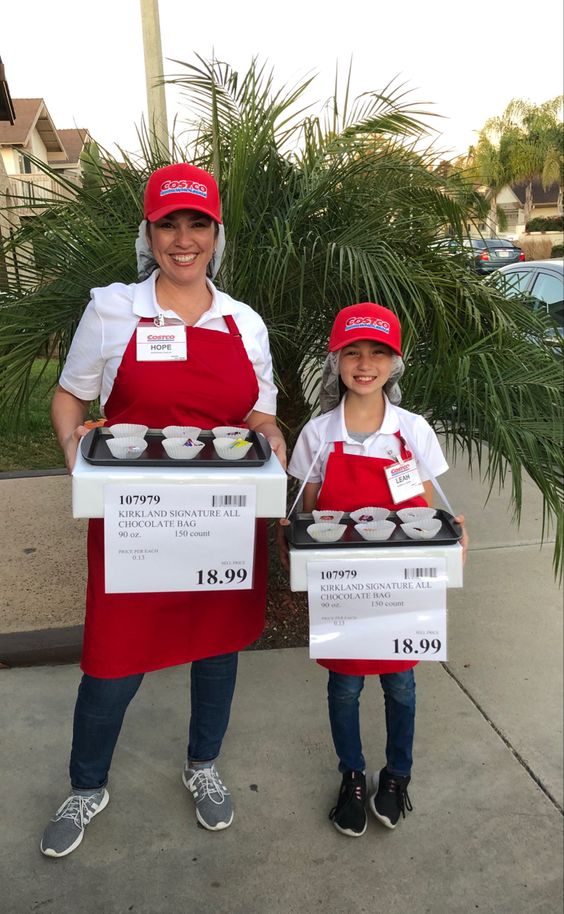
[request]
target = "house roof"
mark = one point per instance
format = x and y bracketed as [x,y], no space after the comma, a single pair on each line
[73,139]
[7,112]
[540,195]
[30,113]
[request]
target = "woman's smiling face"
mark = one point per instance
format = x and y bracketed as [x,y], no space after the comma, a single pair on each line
[365,366]
[183,244]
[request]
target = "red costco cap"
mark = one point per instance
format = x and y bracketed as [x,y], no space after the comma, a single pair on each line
[366,321]
[181,186]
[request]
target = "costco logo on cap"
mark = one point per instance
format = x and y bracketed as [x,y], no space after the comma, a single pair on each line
[373,323]
[183,187]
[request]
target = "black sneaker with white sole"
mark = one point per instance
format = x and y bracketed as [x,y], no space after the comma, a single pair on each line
[349,815]
[390,799]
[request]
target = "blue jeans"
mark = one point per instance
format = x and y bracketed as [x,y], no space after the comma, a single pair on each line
[343,694]
[101,705]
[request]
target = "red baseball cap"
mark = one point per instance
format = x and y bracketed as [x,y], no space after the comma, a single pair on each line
[181,186]
[366,321]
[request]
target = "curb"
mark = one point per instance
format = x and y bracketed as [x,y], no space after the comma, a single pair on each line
[41,647]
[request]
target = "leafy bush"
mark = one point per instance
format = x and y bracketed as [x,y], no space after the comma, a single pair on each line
[545,224]
[557,250]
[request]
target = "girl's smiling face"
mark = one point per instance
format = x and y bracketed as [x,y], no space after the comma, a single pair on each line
[365,366]
[183,244]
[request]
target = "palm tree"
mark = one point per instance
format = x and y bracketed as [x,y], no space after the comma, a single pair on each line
[321,211]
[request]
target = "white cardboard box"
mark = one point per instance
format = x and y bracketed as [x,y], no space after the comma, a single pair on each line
[300,557]
[88,483]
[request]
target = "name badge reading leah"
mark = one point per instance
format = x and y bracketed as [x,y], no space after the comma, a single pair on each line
[403,480]
[162,344]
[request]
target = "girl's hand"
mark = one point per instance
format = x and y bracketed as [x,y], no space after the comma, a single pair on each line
[282,543]
[464,541]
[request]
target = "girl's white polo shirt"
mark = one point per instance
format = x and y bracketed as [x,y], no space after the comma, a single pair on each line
[330,427]
[110,318]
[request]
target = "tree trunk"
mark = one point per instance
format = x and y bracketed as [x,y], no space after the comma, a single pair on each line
[528,201]
[492,218]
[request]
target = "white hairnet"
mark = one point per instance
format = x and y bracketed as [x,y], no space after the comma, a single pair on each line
[329,393]
[146,263]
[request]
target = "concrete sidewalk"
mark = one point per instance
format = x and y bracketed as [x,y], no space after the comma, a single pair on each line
[486,830]
[483,836]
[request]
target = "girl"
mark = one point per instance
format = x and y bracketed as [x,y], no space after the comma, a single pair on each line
[362,435]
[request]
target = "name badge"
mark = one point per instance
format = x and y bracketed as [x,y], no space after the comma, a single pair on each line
[162,344]
[403,480]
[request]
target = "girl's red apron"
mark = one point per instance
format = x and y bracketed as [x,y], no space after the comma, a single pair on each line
[352,482]
[136,633]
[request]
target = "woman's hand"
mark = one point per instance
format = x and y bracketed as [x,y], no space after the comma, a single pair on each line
[464,541]
[68,414]
[70,446]
[282,543]
[266,425]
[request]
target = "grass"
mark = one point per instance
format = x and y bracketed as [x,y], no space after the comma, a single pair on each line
[32,445]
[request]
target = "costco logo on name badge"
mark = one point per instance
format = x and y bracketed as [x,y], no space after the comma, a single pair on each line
[399,468]
[373,323]
[183,187]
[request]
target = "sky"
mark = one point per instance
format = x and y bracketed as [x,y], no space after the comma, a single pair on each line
[463,62]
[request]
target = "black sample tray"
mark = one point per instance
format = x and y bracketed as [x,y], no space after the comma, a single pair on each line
[297,536]
[96,451]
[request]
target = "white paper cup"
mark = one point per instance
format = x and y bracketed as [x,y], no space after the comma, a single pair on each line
[127,430]
[422,529]
[326,533]
[327,517]
[369,515]
[408,515]
[181,431]
[230,431]
[126,448]
[376,531]
[224,449]
[178,449]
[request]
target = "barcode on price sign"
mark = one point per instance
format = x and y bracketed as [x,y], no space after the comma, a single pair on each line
[229,501]
[419,573]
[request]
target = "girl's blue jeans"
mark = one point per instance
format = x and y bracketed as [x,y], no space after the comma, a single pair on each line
[101,705]
[343,694]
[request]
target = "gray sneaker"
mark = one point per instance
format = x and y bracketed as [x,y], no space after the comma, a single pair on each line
[214,809]
[65,830]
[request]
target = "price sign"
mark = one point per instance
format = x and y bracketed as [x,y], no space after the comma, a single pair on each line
[178,538]
[378,609]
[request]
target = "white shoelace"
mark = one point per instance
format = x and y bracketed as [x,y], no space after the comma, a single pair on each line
[208,781]
[76,808]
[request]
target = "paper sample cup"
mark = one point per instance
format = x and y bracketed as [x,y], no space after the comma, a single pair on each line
[231,448]
[327,517]
[377,531]
[127,430]
[230,431]
[181,431]
[408,515]
[369,515]
[422,529]
[126,448]
[182,448]
[326,533]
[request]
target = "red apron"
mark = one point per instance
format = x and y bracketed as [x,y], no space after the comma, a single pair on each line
[352,482]
[136,633]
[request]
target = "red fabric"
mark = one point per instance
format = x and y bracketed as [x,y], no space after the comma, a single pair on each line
[136,633]
[352,482]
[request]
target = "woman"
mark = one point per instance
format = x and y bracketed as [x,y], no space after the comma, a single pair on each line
[225,379]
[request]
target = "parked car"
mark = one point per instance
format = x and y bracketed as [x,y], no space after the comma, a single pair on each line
[484,254]
[543,282]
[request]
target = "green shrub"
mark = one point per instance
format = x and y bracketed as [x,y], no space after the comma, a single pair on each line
[557,250]
[545,224]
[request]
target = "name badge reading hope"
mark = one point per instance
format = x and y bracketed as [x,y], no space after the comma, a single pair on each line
[403,480]
[162,344]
